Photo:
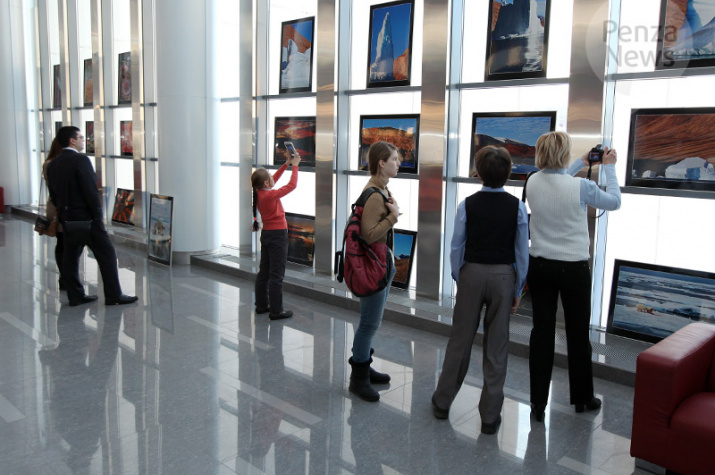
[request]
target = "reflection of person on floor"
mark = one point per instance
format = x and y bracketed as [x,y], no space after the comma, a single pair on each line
[79,390]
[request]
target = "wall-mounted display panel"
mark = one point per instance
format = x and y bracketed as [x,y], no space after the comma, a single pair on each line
[88,83]
[515,131]
[672,148]
[124,96]
[56,87]
[300,131]
[297,55]
[123,212]
[390,49]
[89,137]
[686,34]
[402,131]
[650,302]
[517,39]
[405,244]
[126,142]
[301,238]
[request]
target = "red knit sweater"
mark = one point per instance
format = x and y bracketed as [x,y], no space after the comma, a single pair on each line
[269,201]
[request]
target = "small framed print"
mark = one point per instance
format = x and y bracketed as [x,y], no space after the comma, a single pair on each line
[389,60]
[56,87]
[517,39]
[126,141]
[89,137]
[300,131]
[301,238]
[685,34]
[125,78]
[402,131]
[88,84]
[297,55]
[160,228]
[123,212]
[650,302]
[405,243]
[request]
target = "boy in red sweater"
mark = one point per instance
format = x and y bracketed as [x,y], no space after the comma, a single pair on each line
[274,237]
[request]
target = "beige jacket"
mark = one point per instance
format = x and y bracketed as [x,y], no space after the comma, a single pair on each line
[377,220]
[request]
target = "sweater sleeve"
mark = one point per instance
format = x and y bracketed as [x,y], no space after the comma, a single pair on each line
[279,173]
[375,223]
[284,190]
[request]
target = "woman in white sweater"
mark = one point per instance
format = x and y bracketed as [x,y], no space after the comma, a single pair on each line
[558,265]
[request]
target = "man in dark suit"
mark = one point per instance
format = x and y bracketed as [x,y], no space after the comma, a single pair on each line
[73,190]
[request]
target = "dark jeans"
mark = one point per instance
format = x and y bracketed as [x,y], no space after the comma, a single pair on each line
[269,281]
[572,280]
[59,252]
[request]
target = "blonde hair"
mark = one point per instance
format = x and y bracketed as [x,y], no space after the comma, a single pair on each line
[553,150]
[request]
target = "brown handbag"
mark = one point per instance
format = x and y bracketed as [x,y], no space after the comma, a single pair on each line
[44,226]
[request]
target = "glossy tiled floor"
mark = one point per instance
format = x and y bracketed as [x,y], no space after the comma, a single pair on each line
[191,381]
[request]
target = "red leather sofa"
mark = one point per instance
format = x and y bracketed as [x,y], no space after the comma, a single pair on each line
[674,404]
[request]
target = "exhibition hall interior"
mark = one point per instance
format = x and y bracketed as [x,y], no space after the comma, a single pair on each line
[181,101]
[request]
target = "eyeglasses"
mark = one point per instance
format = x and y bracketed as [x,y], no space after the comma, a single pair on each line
[79,137]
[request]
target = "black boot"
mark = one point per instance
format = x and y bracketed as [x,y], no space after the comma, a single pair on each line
[377,377]
[360,381]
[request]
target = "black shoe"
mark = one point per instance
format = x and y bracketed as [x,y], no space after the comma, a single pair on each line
[375,376]
[360,381]
[438,412]
[489,429]
[121,300]
[280,316]
[591,405]
[83,299]
[538,410]
[261,310]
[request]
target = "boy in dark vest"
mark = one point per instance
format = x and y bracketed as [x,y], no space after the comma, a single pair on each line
[490,259]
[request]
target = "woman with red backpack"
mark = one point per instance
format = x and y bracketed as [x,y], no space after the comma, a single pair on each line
[380,214]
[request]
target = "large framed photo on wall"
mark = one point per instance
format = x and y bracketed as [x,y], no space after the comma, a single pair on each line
[515,131]
[517,39]
[672,148]
[126,141]
[301,238]
[56,87]
[402,131]
[88,83]
[123,212]
[300,131]
[389,57]
[161,209]
[297,55]
[405,243]
[649,302]
[125,78]
[685,34]
[89,137]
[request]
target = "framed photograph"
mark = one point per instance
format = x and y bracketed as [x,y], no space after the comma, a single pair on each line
[125,78]
[685,34]
[160,220]
[58,126]
[402,131]
[517,39]
[88,84]
[123,207]
[301,238]
[389,57]
[672,148]
[56,87]
[126,143]
[515,131]
[405,243]
[89,137]
[300,131]
[297,55]
[649,302]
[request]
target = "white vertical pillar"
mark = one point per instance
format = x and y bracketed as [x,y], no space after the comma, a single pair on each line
[187,121]
[15,159]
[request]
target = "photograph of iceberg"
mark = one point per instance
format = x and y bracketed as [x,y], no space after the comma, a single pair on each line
[404,256]
[390,51]
[402,131]
[300,131]
[297,55]
[301,238]
[649,302]
[517,39]
[672,148]
[686,37]
[515,131]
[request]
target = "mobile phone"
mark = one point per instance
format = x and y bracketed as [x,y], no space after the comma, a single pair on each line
[290,147]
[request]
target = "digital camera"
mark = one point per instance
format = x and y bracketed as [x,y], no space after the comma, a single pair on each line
[596,154]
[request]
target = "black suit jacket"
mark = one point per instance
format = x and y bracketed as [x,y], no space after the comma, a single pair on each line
[73,187]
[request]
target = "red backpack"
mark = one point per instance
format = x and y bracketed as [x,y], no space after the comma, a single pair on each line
[364,267]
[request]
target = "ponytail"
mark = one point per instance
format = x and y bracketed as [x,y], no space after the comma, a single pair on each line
[258,178]
[256,226]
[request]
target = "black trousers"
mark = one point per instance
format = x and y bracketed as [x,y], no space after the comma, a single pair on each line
[106,257]
[572,281]
[59,252]
[269,281]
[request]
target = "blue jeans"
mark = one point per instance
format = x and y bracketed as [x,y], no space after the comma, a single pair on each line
[371,309]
